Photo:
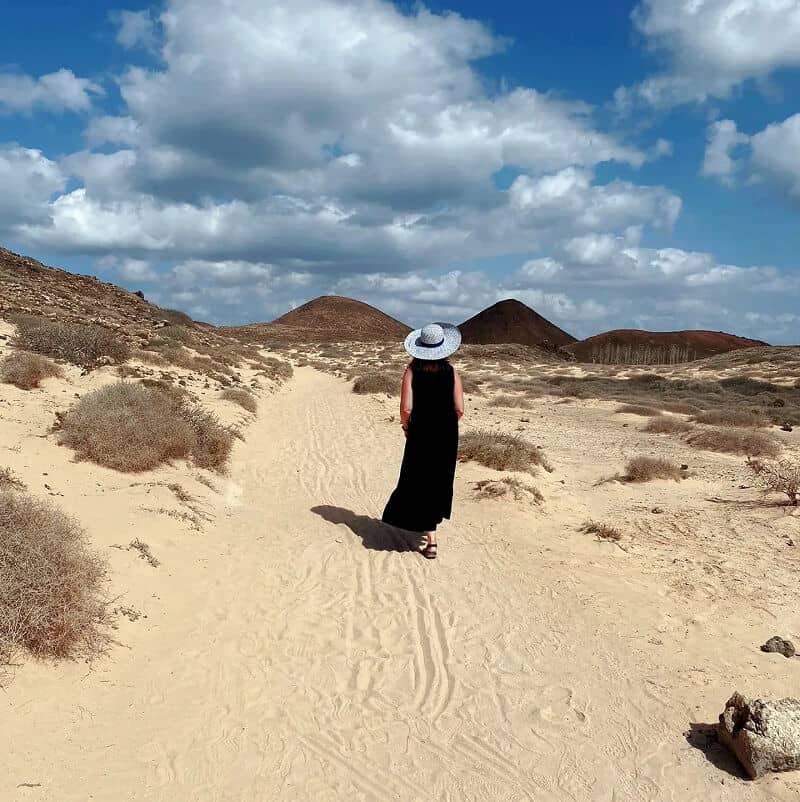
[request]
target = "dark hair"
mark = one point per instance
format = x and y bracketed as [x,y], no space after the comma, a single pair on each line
[429,365]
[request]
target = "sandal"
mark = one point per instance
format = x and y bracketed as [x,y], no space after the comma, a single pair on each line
[429,552]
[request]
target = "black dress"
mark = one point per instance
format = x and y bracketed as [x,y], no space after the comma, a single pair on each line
[424,493]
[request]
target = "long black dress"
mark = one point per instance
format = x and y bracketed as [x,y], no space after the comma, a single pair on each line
[424,493]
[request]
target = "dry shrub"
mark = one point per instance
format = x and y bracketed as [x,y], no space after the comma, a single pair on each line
[85,346]
[603,531]
[502,452]
[782,476]
[639,409]
[243,398]
[27,371]
[665,424]
[681,407]
[380,383]
[732,417]
[744,442]
[513,401]
[498,488]
[277,369]
[131,428]
[50,604]
[10,481]
[645,469]
[212,442]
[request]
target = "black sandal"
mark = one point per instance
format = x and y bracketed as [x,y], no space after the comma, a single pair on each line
[429,552]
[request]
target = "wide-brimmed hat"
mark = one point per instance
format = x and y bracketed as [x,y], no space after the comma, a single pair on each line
[434,341]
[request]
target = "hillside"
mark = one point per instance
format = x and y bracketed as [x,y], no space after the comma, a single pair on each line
[28,287]
[511,321]
[633,346]
[329,318]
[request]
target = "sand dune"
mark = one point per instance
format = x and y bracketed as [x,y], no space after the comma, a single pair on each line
[299,650]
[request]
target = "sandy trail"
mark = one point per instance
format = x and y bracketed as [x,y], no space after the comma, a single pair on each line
[305,652]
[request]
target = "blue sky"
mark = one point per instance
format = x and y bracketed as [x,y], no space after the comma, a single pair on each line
[627,164]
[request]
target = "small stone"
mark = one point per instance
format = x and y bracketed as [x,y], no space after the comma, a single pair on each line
[779,645]
[684,467]
[787,427]
[657,511]
[790,542]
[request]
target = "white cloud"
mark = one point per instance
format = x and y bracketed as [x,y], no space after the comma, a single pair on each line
[776,155]
[711,47]
[770,157]
[135,29]
[723,137]
[28,180]
[56,91]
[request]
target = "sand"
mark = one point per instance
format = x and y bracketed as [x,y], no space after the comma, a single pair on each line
[294,649]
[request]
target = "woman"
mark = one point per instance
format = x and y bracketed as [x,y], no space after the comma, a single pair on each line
[431,404]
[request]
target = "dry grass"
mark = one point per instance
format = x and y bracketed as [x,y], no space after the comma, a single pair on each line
[602,531]
[743,442]
[782,476]
[732,417]
[26,370]
[10,481]
[132,428]
[86,346]
[639,409]
[50,605]
[144,552]
[502,452]
[507,485]
[379,383]
[243,398]
[665,424]
[645,469]
[512,401]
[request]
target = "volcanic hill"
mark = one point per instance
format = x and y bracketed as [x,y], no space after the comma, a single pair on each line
[633,346]
[329,318]
[28,287]
[511,321]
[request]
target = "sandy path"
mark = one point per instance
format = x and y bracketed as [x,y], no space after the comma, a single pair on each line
[306,653]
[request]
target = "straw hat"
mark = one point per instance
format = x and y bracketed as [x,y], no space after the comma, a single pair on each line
[434,341]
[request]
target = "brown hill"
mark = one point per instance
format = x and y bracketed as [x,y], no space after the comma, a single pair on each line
[511,321]
[28,287]
[632,346]
[329,318]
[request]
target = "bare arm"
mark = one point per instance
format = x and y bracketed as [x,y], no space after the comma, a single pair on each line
[458,395]
[406,398]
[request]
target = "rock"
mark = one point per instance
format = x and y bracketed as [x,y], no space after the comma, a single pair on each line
[764,735]
[657,510]
[787,427]
[779,645]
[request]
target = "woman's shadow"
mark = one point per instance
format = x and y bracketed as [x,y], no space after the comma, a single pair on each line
[374,534]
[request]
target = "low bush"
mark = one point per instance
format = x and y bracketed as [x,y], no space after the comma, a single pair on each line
[743,442]
[132,428]
[26,370]
[51,604]
[732,417]
[512,401]
[639,409]
[85,346]
[507,485]
[243,398]
[645,469]
[782,476]
[602,531]
[379,383]
[502,452]
[666,424]
[10,481]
